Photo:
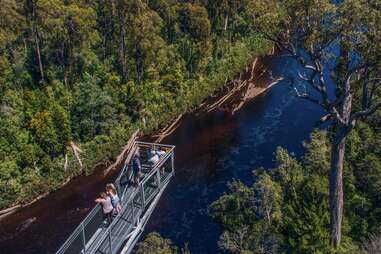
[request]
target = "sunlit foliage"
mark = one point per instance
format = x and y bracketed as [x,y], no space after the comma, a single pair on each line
[91,72]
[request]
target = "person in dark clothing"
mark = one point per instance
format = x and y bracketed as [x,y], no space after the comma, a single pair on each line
[136,167]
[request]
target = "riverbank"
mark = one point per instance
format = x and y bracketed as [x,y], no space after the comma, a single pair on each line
[101,150]
[245,86]
[232,96]
[215,149]
[72,202]
[211,149]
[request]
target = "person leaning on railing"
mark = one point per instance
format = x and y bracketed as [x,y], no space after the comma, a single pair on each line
[155,156]
[107,207]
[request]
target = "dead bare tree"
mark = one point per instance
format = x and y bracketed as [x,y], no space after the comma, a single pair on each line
[313,29]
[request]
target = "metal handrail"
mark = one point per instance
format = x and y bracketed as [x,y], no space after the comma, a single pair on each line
[147,144]
[154,170]
[125,165]
[80,228]
[157,165]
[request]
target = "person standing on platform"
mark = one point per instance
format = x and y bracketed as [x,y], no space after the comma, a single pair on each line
[136,167]
[115,200]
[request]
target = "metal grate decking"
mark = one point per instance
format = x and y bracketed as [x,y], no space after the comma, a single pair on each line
[94,236]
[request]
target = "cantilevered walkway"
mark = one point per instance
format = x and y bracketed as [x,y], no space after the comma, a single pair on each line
[94,236]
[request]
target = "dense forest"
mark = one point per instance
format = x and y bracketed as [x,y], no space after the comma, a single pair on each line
[78,77]
[286,208]
[328,201]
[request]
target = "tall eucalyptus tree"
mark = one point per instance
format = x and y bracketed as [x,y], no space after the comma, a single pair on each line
[308,31]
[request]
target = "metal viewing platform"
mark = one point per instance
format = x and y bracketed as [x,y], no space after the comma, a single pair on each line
[93,235]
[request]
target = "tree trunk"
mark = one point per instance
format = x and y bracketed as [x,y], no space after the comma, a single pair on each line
[336,188]
[342,128]
[226,22]
[37,41]
[39,58]
[122,49]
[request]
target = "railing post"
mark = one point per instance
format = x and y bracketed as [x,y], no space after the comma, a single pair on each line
[109,239]
[173,161]
[132,212]
[158,178]
[83,238]
[142,194]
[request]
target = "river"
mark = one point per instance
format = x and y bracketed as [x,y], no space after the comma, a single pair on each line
[211,150]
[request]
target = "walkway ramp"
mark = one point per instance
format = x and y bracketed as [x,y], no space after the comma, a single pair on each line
[94,236]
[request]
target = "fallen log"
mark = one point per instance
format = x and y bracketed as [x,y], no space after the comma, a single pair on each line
[124,154]
[168,130]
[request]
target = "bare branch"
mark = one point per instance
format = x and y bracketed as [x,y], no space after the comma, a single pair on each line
[324,119]
[275,40]
[366,113]
[302,77]
[337,115]
[66,162]
[310,67]
[310,99]
[76,151]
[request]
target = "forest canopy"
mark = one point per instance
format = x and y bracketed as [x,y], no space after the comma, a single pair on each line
[83,75]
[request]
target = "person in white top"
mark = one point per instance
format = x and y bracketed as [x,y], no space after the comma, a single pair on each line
[155,156]
[107,207]
[115,200]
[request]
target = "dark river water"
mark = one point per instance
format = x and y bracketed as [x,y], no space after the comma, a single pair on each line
[218,148]
[211,150]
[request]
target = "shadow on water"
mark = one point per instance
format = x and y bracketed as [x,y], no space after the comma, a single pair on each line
[211,150]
